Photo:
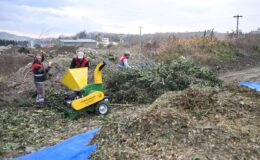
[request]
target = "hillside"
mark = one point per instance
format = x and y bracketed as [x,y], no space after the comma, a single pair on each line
[9,36]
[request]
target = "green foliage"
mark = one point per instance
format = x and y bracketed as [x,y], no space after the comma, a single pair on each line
[112,56]
[55,97]
[1,151]
[100,45]
[23,50]
[37,46]
[145,85]
[81,35]
[24,103]
[196,157]
[6,42]
[66,64]
[91,54]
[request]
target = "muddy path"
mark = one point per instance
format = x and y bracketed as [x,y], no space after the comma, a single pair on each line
[232,77]
[240,69]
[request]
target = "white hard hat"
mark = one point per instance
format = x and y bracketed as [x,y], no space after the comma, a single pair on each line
[127,52]
[80,55]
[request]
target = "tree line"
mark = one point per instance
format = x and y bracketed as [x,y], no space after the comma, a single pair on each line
[4,42]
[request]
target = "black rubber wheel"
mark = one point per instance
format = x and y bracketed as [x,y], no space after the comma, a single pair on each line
[102,108]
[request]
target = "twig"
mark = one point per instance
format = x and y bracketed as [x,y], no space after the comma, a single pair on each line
[118,104]
[25,76]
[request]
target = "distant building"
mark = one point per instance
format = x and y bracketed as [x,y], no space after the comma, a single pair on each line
[114,43]
[31,44]
[121,38]
[256,32]
[105,41]
[89,43]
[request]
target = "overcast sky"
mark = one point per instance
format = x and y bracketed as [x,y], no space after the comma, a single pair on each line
[45,18]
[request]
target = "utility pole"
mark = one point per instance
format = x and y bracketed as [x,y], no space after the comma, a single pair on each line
[237,16]
[140,27]
[120,38]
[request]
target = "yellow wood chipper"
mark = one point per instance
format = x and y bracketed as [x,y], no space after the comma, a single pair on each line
[89,97]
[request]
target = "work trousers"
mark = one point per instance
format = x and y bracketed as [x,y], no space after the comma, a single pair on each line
[40,92]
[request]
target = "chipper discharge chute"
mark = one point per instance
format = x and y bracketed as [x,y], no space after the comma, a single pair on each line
[89,97]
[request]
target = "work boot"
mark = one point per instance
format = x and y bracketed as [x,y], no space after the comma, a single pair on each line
[39,104]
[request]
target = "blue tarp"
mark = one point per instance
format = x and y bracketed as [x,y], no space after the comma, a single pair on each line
[73,148]
[252,85]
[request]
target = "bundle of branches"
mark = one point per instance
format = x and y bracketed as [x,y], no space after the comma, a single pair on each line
[145,85]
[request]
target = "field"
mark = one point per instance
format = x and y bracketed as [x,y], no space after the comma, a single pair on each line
[182,100]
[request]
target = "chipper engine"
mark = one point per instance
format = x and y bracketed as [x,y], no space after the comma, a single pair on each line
[87,97]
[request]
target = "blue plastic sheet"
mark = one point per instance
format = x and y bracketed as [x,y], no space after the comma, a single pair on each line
[73,148]
[252,85]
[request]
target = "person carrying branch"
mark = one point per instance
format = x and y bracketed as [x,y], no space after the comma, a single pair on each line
[40,74]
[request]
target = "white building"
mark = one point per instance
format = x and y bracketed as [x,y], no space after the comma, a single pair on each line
[31,45]
[89,43]
[105,41]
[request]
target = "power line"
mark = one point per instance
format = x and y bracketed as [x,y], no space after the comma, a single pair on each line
[237,16]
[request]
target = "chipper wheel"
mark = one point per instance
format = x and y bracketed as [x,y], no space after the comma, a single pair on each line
[102,108]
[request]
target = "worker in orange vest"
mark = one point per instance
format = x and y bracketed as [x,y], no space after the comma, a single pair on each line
[123,61]
[79,61]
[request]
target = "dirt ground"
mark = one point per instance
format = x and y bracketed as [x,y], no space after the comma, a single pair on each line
[190,124]
[251,74]
[10,63]
[239,69]
[238,64]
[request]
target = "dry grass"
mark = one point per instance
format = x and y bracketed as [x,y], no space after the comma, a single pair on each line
[11,63]
[199,48]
